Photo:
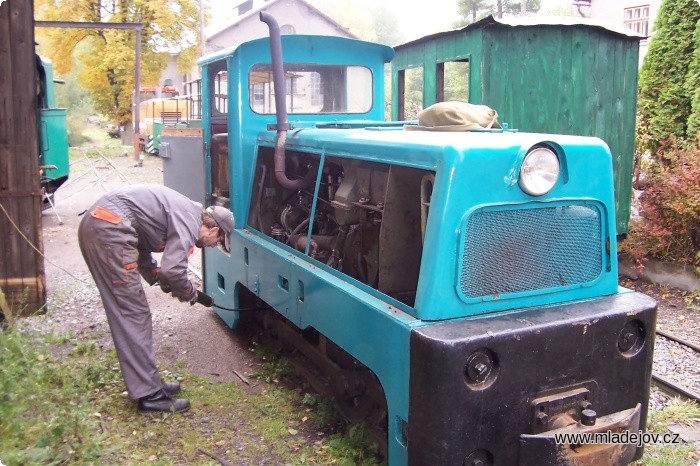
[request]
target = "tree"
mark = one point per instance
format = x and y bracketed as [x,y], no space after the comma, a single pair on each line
[692,86]
[664,100]
[474,10]
[386,25]
[515,7]
[107,56]
[367,19]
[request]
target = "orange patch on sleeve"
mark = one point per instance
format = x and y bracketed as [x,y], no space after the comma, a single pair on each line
[130,266]
[106,215]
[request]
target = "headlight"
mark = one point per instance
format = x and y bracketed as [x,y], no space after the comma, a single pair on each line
[539,172]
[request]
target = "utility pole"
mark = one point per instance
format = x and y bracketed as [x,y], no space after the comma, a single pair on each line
[202,45]
[523,7]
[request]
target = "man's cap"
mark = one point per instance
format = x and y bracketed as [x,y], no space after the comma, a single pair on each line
[224,219]
[455,116]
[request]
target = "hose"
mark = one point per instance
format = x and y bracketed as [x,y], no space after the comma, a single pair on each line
[240,309]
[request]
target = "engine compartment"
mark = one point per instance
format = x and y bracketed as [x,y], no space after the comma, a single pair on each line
[366,219]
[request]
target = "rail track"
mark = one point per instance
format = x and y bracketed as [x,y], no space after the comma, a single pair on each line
[668,385]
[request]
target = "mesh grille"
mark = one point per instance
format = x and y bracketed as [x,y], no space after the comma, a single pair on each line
[512,251]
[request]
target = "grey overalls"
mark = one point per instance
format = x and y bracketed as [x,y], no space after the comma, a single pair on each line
[117,236]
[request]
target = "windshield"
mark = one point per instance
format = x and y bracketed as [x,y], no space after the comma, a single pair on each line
[313,88]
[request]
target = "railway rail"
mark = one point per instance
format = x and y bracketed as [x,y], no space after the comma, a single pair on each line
[667,384]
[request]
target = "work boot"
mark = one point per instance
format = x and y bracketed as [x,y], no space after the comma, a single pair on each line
[171,388]
[161,401]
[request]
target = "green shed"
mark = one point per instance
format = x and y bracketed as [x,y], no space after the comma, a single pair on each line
[558,75]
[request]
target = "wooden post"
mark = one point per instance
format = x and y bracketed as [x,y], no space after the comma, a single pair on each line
[22,277]
[137,99]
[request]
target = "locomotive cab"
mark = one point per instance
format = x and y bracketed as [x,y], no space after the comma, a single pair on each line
[472,310]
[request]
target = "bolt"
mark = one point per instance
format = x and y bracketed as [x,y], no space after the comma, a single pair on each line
[542,418]
[479,367]
[588,417]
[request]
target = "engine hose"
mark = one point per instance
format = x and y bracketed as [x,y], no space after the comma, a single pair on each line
[241,309]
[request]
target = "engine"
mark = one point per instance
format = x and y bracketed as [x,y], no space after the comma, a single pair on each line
[367,222]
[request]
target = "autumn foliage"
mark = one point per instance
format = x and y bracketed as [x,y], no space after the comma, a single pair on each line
[669,224]
[105,57]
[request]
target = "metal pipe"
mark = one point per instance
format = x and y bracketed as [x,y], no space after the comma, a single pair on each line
[280,107]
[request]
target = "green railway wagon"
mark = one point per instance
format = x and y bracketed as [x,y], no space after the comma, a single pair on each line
[563,76]
[52,133]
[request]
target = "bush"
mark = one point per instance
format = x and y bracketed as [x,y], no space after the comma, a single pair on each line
[669,223]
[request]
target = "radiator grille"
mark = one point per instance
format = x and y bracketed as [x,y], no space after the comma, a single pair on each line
[513,251]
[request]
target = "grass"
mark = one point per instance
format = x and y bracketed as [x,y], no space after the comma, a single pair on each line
[62,402]
[45,404]
[682,454]
[350,443]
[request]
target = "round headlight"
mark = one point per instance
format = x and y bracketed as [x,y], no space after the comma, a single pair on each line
[539,172]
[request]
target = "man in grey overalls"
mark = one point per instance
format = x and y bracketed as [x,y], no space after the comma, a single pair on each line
[117,236]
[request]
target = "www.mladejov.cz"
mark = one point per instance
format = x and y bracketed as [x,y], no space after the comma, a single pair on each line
[626,437]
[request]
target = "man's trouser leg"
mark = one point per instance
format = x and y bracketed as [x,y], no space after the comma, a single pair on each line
[110,252]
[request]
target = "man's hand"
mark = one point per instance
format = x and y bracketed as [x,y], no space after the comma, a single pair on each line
[164,286]
[190,298]
[203,299]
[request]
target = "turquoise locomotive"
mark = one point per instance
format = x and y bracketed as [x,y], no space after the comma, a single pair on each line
[458,286]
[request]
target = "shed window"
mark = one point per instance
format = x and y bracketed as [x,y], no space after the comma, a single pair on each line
[412,98]
[637,19]
[453,81]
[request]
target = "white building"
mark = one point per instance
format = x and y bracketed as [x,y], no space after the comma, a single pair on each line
[293,16]
[637,15]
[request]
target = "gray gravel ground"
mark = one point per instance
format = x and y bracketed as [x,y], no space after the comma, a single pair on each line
[679,315]
[678,362]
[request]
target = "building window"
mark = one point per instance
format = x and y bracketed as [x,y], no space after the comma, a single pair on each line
[287,29]
[637,19]
[315,89]
[258,93]
[245,7]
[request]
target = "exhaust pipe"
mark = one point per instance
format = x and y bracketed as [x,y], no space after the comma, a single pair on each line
[282,125]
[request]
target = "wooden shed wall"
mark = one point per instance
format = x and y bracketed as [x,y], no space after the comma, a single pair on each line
[567,80]
[21,267]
